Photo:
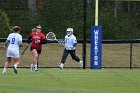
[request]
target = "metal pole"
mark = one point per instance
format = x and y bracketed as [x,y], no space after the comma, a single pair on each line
[130,55]
[84,33]
[96,13]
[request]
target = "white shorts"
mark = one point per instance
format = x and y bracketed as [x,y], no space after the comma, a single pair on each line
[14,53]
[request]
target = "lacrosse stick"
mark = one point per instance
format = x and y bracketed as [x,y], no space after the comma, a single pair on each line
[52,37]
[25,49]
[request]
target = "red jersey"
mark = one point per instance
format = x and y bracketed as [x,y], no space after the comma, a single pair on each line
[36,39]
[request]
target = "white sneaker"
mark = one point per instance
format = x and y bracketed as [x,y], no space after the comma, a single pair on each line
[36,69]
[81,64]
[61,66]
[32,67]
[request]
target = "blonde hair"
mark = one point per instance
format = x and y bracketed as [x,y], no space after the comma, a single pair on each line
[34,30]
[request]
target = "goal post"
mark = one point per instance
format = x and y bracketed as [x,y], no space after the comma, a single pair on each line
[96,12]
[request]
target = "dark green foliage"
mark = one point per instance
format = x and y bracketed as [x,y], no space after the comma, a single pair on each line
[4,24]
[57,15]
[62,14]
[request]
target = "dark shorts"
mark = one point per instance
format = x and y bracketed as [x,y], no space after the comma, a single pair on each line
[38,51]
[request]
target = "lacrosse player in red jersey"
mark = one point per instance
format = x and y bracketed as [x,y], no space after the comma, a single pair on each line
[36,39]
[70,43]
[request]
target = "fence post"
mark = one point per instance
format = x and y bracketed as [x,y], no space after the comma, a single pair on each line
[84,33]
[130,55]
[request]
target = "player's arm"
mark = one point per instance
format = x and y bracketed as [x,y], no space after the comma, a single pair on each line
[61,41]
[74,42]
[29,39]
[20,42]
[6,43]
[43,41]
[74,45]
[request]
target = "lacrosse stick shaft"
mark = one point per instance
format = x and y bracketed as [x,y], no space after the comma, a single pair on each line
[24,49]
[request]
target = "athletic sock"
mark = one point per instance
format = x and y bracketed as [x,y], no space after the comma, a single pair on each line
[32,65]
[35,66]
[61,64]
[81,63]
[15,65]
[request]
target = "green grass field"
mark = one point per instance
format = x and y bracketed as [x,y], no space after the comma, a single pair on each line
[54,80]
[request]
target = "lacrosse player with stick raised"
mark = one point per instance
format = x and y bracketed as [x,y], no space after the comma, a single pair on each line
[70,43]
[13,42]
[36,39]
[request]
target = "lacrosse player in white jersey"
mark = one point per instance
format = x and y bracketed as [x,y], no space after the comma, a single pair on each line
[70,43]
[13,42]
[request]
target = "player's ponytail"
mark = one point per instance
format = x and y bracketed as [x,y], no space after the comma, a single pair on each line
[16,28]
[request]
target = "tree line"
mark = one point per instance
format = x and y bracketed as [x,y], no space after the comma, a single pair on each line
[119,18]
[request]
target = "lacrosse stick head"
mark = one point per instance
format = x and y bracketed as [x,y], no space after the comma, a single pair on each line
[51,36]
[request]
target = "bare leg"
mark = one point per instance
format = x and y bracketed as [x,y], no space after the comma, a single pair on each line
[17,62]
[35,58]
[6,64]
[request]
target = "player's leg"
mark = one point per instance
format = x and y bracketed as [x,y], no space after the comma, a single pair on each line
[39,52]
[9,55]
[6,64]
[76,58]
[32,64]
[63,59]
[38,61]
[16,58]
[73,55]
[35,59]
[17,62]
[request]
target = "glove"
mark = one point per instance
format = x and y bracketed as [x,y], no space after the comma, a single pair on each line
[71,48]
[61,41]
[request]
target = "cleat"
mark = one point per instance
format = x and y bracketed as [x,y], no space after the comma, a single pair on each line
[36,69]
[61,66]
[15,70]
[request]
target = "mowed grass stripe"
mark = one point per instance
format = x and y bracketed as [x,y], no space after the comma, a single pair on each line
[55,80]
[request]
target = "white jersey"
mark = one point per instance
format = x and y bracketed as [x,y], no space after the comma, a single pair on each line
[69,42]
[13,47]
